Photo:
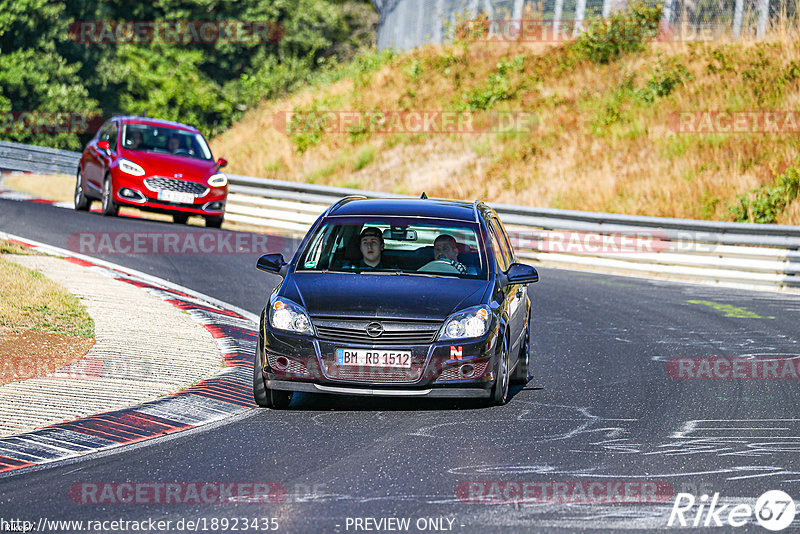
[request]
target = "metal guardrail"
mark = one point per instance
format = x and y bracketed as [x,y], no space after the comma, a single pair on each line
[732,253]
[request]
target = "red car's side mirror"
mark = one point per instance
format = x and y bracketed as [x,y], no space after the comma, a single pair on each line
[221,162]
[104,145]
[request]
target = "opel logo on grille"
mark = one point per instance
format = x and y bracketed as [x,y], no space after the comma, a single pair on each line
[178,175]
[374,329]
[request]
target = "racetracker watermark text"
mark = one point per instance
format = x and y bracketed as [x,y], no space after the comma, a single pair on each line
[729,368]
[570,491]
[181,32]
[177,492]
[201,242]
[85,368]
[49,122]
[559,31]
[414,121]
[735,122]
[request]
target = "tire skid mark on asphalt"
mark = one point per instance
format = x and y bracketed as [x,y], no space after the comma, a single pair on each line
[757,440]
[222,395]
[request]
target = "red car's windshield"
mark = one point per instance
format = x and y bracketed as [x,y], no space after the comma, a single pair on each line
[163,140]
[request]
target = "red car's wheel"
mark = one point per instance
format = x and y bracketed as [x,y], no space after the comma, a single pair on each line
[110,208]
[82,203]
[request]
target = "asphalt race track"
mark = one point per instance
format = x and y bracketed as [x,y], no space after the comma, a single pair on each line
[602,408]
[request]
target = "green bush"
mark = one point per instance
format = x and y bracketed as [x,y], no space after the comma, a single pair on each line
[665,77]
[763,205]
[498,88]
[626,31]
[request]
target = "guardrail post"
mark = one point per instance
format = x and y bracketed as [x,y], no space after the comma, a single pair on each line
[437,24]
[763,16]
[517,15]
[737,18]
[580,13]
[666,14]
[557,19]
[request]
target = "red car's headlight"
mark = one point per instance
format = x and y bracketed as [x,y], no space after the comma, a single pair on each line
[130,167]
[218,180]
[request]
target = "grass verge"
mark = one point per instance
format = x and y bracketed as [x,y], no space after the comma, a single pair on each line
[31,301]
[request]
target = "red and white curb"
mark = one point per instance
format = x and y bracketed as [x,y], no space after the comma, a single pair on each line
[222,395]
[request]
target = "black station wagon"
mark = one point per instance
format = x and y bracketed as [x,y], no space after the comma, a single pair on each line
[397,297]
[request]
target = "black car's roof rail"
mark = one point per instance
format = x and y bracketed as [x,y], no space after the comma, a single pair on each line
[342,201]
[475,210]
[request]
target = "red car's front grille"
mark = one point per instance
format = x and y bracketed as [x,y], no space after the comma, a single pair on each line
[160,183]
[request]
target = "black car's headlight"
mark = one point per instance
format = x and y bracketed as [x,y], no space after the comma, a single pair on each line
[469,323]
[286,315]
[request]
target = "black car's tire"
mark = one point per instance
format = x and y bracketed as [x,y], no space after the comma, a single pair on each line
[180,218]
[522,372]
[500,387]
[265,397]
[110,208]
[82,203]
[212,221]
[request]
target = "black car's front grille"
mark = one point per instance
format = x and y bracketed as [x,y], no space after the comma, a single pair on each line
[169,184]
[392,332]
[376,375]
[453,373]
[294,368]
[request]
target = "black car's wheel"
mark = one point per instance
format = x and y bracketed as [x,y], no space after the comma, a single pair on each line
[180,218]
[265,397]
[82,203]
[213,221]
[500,388]
[522,371]
[110,208]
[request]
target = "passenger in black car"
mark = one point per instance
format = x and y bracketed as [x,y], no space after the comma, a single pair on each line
[371,247]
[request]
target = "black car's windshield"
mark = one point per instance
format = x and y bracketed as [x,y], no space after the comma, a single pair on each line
[163,140]
[396,245]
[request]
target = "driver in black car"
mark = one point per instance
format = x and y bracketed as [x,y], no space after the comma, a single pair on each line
[371,247]
[445,249]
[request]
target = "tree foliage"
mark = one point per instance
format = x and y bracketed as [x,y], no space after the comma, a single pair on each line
[45,67]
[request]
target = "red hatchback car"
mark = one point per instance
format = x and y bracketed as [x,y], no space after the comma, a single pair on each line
[153,165]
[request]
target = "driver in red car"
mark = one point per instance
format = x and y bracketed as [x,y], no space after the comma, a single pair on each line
[445,249]
[136,140]
[173,143]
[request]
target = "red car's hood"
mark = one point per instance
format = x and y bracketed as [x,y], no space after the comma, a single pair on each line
[169,165]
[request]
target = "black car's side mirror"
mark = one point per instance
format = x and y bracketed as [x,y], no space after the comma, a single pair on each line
[519,273]
[272,263]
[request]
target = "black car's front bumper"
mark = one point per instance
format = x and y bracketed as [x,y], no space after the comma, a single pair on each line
[311,387]
[435,371]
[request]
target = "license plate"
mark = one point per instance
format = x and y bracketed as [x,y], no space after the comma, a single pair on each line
[374,358]
[176,196]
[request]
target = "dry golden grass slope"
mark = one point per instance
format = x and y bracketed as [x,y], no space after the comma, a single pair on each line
[605,138]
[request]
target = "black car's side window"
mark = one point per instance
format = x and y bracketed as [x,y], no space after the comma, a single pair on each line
[499,256]
[501,253]
[506,239]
